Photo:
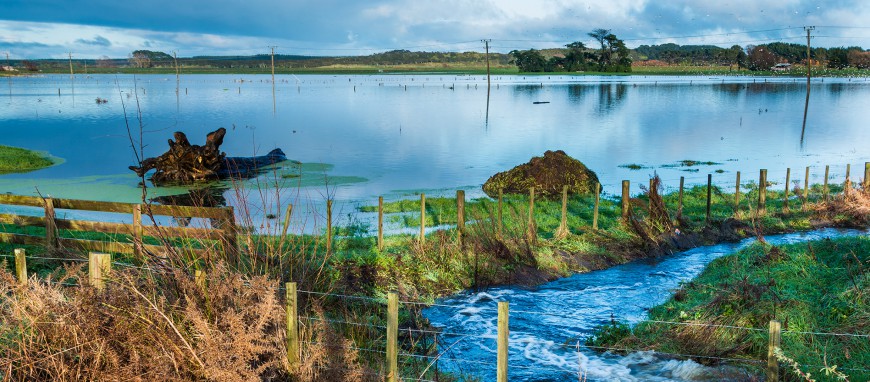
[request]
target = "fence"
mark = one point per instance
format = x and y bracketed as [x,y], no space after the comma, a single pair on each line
[100,269]
[137,234]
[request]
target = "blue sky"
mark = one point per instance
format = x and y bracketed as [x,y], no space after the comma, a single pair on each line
[93,28]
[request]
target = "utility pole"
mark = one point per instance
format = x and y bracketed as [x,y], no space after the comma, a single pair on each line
[809,66]
[72,79]
[177,78]
[7,59]
[486,42]
[273,65]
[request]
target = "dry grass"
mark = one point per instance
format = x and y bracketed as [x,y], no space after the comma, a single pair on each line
[159,327]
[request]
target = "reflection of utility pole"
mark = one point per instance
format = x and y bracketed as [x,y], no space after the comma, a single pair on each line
[274,106]
[807,102]
[486,41]
[72,79]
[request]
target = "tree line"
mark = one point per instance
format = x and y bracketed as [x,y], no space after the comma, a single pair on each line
[611,56]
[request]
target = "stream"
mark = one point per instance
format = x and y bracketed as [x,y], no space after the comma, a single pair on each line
[547,322]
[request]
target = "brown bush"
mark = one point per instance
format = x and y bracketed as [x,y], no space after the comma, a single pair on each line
[149,327]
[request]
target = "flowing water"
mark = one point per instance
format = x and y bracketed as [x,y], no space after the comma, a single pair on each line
[362,136]
[547,322]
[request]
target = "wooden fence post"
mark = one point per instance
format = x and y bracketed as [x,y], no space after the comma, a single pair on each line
[500,209]
[137,231]
[773,343]
[380,223]
[625,198]
[563,223]
[50,226]
[292,326]
[709,195]
[328,226]
[762,190]
[680,206]
[785,197]
[848,170]
[533,229]
[460,214]
[825,185]
[866,184]
[422,218]
[502,344]
[21,266]
[595,210]
[806,186]
[392,337]
[99,267]
[737,193]
[287,215]
[228,225]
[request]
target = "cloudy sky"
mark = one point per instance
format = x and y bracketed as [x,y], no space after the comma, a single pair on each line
[93,28]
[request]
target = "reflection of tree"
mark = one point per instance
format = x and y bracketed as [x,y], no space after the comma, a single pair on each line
[529,90]
[610,96]
[576,92]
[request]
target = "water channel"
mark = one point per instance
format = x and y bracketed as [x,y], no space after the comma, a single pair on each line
[547,322]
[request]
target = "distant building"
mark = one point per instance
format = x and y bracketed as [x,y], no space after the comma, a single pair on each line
[8,69]
[781,67]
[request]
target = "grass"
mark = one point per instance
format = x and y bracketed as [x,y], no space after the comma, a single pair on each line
[489,252]
[14,159]
[819,286]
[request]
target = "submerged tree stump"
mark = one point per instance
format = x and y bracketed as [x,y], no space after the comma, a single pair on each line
[186,163]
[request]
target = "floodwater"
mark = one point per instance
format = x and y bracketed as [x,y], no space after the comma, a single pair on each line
[361,136]
[546,323]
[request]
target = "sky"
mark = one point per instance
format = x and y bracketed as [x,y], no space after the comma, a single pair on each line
[115,28]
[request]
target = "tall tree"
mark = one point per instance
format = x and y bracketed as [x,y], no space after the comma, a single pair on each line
[600,35]
[529,60]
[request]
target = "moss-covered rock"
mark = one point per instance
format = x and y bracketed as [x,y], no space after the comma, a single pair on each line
[547,174]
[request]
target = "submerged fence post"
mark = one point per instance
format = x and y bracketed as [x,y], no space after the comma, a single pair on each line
[825,185]
[595,210]
[737,193]
[533,229]
[392,337]
[460,214]
[625,198]
[292,326]
[680,206]
[502,345]
[785,197]
[762,190]
[21,266]
[99,267]
[773,342]
[422,218]
[380,223]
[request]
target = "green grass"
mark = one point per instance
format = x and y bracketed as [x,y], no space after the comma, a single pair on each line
[821,286]
[14,159]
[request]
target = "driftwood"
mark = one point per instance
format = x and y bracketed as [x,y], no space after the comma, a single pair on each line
[186,163]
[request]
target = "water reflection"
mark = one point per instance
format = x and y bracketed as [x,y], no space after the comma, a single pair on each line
[610,97]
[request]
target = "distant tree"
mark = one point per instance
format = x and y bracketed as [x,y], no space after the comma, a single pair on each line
[737,55]
[859,59]
[576,58]
[529,60]
[838,58]
[105,62]
[600,35]
[760,58]
[30,66]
